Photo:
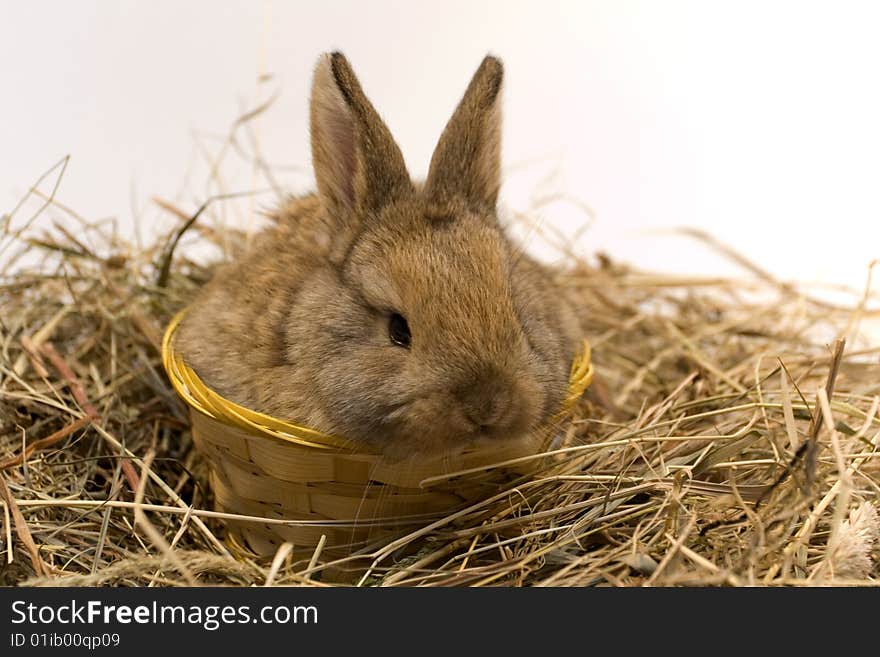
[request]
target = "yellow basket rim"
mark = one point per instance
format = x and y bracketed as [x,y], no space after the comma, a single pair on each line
[196,394]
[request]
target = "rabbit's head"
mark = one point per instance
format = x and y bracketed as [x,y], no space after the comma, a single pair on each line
[428,331]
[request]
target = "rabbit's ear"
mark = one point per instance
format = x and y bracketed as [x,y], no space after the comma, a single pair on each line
[358,166]
[467,160]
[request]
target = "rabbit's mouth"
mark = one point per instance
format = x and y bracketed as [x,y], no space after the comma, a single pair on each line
[439,423]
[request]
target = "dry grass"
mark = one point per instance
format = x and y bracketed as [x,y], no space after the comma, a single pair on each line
[730,438]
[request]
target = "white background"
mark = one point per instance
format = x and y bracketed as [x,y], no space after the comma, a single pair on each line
[756,121]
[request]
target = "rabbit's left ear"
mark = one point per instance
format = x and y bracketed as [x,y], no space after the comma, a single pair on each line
[358,166]
[467,160]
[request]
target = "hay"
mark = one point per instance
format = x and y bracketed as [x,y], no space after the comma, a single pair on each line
[729,438]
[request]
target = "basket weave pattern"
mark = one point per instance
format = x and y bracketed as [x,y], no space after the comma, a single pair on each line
[270,468]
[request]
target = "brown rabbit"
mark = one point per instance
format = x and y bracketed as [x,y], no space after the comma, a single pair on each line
[393,314]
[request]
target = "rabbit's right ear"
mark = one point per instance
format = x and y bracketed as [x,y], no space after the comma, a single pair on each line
[467,160]
[358,166]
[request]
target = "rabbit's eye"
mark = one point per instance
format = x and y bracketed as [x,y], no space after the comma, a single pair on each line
[398,330]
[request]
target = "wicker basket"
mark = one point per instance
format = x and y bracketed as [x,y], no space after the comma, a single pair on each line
[264,467]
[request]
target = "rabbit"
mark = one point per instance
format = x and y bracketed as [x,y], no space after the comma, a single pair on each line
[396,315]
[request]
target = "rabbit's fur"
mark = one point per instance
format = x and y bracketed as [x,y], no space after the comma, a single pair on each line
[299,326]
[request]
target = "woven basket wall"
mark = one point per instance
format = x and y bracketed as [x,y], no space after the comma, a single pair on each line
[265,467]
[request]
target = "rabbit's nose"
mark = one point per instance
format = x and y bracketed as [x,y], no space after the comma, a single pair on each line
[488,402]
